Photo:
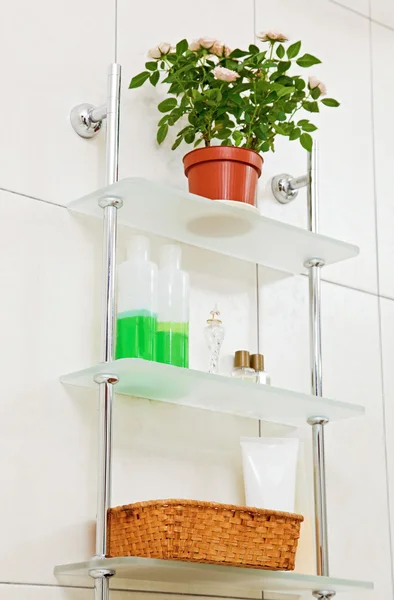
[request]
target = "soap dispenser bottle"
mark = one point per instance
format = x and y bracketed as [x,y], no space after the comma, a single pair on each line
[172,345]
[137,302]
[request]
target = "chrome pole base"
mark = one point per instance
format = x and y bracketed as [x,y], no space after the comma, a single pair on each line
[324,594]
[99,573]
[82,122]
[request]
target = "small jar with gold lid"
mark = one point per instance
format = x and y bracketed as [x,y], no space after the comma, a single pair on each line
[242,369]
[257,364]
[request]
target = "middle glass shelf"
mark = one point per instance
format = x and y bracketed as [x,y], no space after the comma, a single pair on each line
[218,393]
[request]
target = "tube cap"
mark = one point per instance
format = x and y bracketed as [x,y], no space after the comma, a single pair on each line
[138,248]
[257,362]
[170,256]
[241,359]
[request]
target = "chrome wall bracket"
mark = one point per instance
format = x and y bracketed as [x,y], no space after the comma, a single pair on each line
[87,119]
[285,187]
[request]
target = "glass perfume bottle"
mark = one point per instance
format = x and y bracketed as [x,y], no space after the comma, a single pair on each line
[257,364]
[214,335]
[242,368]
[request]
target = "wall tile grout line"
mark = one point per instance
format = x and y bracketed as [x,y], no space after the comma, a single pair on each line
[359,14]
[379,298]
[126,591]
[32,197]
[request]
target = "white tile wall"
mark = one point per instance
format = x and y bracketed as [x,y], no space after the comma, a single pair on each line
[55,57]
[382,11]
[383,45]
[387,313]
[359,6]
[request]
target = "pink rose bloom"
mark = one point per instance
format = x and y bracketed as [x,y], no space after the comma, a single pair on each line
[225,74]
[314,82]
[158,51]
[194,46]
[272,36]
[207,42]
[220,49]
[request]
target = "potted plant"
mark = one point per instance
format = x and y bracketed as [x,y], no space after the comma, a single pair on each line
[235,103]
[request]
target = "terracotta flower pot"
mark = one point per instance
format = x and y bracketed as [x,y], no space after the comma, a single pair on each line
[223,173]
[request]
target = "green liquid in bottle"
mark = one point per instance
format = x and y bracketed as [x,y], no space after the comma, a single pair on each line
[136,335]
[172,344]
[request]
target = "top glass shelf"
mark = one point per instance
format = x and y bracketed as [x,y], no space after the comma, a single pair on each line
[237,232]
[169,571]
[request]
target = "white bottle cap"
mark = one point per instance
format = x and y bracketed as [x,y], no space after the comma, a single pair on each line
[138,248]
[170,256]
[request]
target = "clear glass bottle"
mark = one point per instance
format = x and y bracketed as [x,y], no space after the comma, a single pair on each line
[137,302]
[257,364]
[172,341]
[242,368]
[214,335]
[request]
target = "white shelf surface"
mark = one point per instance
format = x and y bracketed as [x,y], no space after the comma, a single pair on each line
[218,393]
[155,208]
[169,571]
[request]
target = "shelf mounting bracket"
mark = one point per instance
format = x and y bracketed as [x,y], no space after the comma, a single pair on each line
[285,187]
[87,119]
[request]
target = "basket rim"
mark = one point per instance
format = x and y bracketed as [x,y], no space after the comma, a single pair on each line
[205,504]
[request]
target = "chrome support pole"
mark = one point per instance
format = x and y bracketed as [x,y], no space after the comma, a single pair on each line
[110,206]
[317,422]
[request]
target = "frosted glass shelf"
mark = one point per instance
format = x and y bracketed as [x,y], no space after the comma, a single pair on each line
[178,215]
[148,569]
[218,393]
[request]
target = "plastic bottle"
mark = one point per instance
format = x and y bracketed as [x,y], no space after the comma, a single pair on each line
[172,345]
[137,302]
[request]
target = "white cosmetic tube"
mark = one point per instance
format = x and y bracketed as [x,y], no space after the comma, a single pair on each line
[270,469]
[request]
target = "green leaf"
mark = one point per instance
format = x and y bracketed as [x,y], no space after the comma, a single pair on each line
[293,50]
[315,93]
[280,51]
[197,142]
[309,127]
[295,134]
[151,66]
[189,137]
[265,147]
[237,53]
[163,120]
[281,116]
[181,47]
[330,102]
[254,49]
[311,107]
[167,105]
[306,141]
[307,61]
[284,66]
[223,134]
[139,80]
[300,84]
[177,142]
[154,78]
[161,133]
[285,91]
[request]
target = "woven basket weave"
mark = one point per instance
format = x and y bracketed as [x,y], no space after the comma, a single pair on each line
[205,532]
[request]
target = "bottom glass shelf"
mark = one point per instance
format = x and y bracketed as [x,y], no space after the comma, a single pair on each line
[169,571]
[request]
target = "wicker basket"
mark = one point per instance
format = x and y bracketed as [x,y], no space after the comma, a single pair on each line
[205,532]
